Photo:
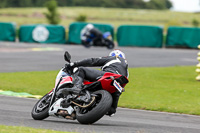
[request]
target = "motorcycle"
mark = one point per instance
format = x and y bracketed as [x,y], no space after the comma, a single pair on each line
[105,40]
[88,106]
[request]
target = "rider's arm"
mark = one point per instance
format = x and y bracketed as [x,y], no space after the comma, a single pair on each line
[96,32]
[93,62]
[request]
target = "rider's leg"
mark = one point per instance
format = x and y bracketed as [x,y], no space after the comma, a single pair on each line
[113,108]
[90,74]
[82,74]
[75,89]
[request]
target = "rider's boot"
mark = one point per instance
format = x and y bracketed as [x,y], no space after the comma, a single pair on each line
[76,89]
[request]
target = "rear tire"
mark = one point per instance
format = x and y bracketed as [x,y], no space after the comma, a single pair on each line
[109,44]
[39,112]
[98,110]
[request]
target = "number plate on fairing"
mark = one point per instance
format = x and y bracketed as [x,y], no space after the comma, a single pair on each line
[118,86]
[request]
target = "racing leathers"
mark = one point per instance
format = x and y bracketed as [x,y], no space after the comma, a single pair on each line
[111,64]
[90,36]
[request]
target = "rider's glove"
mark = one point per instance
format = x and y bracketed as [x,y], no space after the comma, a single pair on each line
[69,66]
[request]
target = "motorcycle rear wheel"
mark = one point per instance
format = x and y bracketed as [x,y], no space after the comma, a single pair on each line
[41,108]
[101,106]
[109,44]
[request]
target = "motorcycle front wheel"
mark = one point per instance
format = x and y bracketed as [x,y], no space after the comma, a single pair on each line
[41,108]
[95,112]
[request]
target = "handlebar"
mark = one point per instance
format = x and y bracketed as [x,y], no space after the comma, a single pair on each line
[68,69]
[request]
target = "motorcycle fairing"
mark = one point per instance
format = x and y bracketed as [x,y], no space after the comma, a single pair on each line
[66,78]
[56,107]
[106,82]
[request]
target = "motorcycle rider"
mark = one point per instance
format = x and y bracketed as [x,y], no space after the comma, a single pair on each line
[90,34]
[114,63]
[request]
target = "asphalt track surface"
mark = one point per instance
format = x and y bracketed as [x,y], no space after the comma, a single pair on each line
[34,57]
[17,111]
[40,57]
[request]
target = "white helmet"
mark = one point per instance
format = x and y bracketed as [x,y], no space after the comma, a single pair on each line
[89,26]
[117,53]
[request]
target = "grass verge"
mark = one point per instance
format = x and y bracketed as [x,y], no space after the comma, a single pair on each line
[20,129]
[170,89]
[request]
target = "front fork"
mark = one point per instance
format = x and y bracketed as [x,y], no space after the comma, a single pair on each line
[55,108]
[54,91]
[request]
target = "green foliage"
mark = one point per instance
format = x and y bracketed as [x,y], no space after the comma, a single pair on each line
[52,15]
[3,3]
[16,3]
[195,23]
[159,4]
[171,89]
[153,4]
[25,3]
[81,18]
[38,3]
[168,4]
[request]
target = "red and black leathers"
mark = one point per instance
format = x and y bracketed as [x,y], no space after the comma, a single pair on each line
[108,64]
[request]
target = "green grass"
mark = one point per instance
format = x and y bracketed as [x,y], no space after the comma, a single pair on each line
[20,129]
[170,89]
[114,16]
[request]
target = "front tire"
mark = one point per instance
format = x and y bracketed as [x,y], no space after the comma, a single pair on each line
[101,106]
[41,108]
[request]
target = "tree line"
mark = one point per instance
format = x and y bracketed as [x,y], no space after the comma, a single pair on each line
[136,4]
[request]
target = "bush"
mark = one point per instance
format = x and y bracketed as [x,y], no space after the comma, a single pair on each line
[81,18]
[195,23]
[52,16]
